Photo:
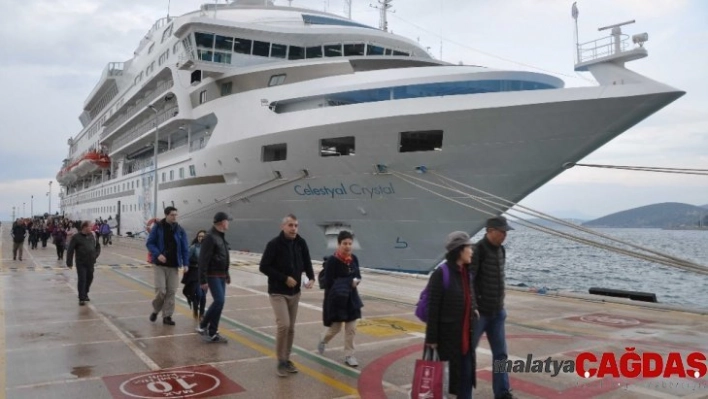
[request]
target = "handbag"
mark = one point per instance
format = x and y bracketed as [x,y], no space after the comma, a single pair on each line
[428,376]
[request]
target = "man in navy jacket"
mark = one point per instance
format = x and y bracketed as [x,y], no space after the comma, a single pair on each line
[169,250]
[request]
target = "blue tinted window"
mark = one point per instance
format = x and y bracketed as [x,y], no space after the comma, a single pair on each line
[204,39]
[242,46]
[374,50]
[319,20]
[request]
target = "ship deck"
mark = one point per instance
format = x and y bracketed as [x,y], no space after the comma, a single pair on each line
[52,348]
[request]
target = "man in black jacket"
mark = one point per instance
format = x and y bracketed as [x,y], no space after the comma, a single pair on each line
[214,264]
[487,268]
[284,260]
[87,250]
[18,238]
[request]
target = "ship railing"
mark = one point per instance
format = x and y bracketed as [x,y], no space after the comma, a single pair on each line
[161,88]
[603,47]
[112,69]
[146,126]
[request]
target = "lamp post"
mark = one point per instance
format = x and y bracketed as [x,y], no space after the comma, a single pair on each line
[157,136]
[23,209]
[50,197]
[31,205]
[13,214]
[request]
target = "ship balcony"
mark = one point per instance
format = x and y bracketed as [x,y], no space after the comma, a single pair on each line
[139,130]
[114,123]
[110,72]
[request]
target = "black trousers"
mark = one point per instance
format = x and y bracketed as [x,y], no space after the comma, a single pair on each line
[85,274]
[60,251]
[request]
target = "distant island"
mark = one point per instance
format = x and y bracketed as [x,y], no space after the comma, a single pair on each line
[668,215]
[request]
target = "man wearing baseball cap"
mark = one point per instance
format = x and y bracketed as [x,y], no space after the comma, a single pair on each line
[214,274]
[487,267]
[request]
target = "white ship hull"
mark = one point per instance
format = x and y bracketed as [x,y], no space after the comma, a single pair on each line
[508,151]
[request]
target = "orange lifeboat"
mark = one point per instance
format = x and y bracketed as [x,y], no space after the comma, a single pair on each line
[88,163]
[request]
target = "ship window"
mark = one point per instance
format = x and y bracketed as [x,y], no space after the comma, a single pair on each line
[226,88]
[152,46]
[202,97]
[296,53]
[192,170]
[336,147]
[374,50]
[196,76]
[313,52]
[333,50]
[137,183]
[181,173]
[163,176]
[175,49]
[223,43]
[204,39]
[167,33]
[242,46]
[354,49]
[205,55]
[278,50]
[388,51]
[276,80]
[172,175]
[425,140]
[224,58]
[261,48]
[404,53]
[274,152]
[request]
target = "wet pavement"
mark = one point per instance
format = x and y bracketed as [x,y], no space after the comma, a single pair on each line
[52,348]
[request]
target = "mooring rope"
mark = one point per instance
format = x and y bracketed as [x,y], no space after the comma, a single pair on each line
[681,171]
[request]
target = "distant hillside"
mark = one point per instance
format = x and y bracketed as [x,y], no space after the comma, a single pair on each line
[669,214]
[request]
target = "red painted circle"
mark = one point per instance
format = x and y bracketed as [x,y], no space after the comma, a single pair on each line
[169,384]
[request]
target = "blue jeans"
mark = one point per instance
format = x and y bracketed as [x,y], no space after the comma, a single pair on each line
[217,286]
[493,325]
[466,372]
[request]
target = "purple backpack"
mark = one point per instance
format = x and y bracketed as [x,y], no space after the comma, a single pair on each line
[421,308]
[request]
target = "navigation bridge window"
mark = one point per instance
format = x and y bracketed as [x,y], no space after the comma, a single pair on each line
[426,140]
[338,146]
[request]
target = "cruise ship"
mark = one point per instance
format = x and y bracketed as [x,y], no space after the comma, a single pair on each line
[261,110]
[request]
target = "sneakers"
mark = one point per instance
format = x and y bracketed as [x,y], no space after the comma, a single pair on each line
[168,320]
[214,339]
[351,361]
[82,303]
[153,317]
[201,330]
[321,347]
[282,369]
[290,367]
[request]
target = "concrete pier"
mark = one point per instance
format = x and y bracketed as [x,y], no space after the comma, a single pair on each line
[50,347]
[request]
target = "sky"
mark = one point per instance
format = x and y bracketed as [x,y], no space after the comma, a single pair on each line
[55,50]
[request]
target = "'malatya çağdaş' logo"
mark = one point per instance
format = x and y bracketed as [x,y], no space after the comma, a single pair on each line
[628,365]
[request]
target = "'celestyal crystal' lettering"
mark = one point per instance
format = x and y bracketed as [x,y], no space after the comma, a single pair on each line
[341,189]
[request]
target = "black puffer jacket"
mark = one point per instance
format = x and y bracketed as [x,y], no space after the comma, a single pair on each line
[285,258]
[87,250]
[445,319]
[487,268]
[214,258]
[342,302]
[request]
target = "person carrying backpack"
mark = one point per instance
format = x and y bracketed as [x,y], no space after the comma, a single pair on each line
[452,314]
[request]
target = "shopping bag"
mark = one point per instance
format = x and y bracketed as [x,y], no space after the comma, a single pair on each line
[428,376]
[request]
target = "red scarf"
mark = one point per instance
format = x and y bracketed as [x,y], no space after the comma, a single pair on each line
[346,259]
[464,274]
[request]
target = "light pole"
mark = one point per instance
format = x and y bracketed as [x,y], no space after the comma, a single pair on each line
[13,214]
[23,209]
[154,161]
[31,205]
[50,197]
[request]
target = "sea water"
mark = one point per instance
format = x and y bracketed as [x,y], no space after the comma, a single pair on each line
[536,259]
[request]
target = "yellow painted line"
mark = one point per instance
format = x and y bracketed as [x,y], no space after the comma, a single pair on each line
[388,326]
[3,360]
[332,382]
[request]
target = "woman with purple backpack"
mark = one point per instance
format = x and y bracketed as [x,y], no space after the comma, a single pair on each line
[452,313]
